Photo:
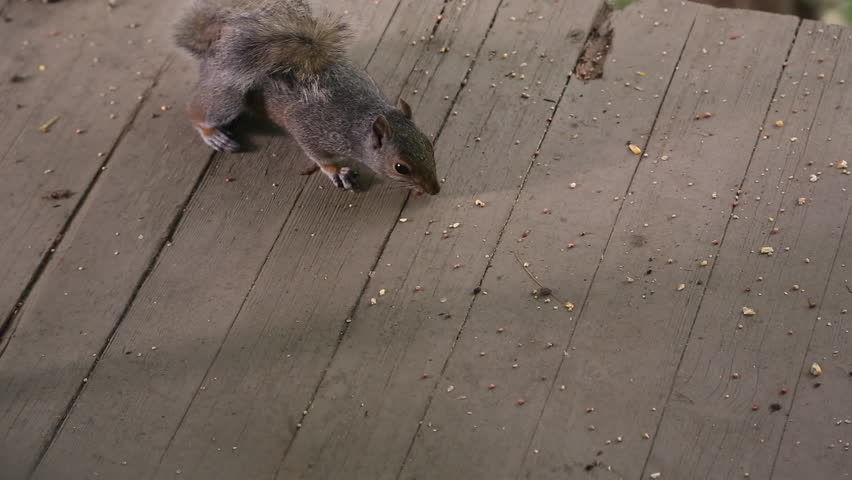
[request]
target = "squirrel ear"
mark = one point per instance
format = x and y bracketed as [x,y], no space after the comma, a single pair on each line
[381,131]
[406,108]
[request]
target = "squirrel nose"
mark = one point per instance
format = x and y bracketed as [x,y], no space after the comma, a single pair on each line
[434,189]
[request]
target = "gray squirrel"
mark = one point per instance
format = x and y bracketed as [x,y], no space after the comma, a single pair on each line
[278,59]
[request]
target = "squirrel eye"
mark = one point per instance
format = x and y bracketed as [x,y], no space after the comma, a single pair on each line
[402,169]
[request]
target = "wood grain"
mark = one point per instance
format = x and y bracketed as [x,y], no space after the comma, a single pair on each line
[286,333]
[95,68]
[720,421]
[368,407]
[478,431]
[622,357]
[81,295]
[186,306]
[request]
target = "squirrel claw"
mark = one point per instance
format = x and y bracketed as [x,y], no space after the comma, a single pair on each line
[344,178]
[221,142]
[348,179]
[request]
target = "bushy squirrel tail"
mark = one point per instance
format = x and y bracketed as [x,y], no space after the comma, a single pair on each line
[265,37]
[199,27]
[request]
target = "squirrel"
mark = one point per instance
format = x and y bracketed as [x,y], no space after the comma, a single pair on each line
[276,58]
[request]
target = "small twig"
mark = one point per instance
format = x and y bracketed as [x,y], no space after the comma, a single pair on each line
[526,269]
[46,127]
[568,305]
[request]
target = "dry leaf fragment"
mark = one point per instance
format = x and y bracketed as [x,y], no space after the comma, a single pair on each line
[767,251]
[842,165]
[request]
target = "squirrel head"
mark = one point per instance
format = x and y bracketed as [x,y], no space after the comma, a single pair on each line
[402,153]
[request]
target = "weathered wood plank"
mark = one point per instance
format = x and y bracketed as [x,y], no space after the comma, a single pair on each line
[734,364]
[367,409]
[284,337]
[154,362]
[477,432]
[816,438]
[95,271]
[100,97]
[630,334]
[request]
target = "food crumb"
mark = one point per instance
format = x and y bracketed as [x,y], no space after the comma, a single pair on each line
[815,369]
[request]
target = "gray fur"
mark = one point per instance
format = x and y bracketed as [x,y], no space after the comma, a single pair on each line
[326,103]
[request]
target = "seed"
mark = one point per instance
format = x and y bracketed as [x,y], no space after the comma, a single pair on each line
[815,369]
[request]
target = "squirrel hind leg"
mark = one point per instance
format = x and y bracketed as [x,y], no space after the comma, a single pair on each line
[218,140]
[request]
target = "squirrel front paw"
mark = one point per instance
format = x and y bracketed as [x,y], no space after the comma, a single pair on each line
[219,140]
[344,178]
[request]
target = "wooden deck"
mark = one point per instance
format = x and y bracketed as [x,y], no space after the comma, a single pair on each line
[161,322]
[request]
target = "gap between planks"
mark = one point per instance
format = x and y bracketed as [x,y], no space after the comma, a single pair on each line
[816,323]
[387,238]
[7,327]
[601,17]
[284,224]
[609,240]
[828,285]
[721,243]
[173,226]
